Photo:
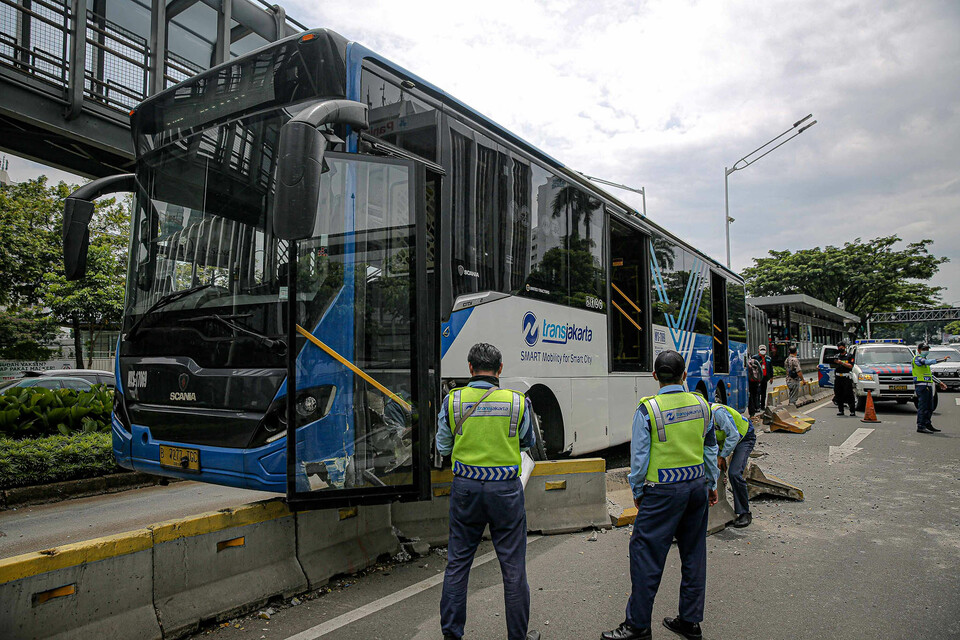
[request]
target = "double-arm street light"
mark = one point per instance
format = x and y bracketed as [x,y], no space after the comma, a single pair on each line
[752,157]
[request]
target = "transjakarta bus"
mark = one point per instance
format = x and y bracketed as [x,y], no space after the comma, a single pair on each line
[312,216]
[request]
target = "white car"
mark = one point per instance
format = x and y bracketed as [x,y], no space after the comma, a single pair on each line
[947,372]
[884,369]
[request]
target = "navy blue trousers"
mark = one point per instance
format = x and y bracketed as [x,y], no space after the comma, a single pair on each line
[667,510]
[474,504]
[924,405]
[738,462]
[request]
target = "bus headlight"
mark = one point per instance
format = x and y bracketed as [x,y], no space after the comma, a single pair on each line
[307,405]
[865,376]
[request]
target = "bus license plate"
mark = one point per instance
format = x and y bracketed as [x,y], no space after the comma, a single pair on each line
[180,458]
[898,387]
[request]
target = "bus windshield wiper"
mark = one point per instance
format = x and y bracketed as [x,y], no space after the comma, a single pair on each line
[162,302]
[277,345]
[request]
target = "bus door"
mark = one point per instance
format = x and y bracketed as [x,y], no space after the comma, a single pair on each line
[362,298]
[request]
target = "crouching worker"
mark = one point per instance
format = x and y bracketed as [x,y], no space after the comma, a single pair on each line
[673,475]
[484,428]
[735,435]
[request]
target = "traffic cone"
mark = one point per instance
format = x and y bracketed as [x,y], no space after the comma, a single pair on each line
[870,415]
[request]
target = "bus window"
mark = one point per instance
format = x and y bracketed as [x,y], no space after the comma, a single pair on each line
[629,344]
[721,340]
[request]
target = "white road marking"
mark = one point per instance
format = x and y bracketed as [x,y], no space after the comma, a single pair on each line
[957,400]
[324,628]
[849,446]
[819,406]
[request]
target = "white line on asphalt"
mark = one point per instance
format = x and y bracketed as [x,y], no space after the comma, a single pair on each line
[957,400]
[819,406]
[377,605]
[849,446]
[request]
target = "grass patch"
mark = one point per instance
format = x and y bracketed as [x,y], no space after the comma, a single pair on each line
[36,461]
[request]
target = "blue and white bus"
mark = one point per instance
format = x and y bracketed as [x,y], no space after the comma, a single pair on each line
[313,216]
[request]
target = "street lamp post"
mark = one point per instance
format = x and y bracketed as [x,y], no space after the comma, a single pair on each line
[747,161]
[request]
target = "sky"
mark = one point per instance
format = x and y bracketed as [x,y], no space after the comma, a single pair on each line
[666,94]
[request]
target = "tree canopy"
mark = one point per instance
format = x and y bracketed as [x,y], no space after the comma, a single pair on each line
[867,277]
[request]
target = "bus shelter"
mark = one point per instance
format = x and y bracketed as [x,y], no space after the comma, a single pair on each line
[804,321]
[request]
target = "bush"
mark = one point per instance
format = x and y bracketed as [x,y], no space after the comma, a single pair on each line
[55,458]
[33,411]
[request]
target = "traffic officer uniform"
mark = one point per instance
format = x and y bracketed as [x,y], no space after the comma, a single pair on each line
[923,384]
[673,465]
[485,450]
[735,435]
[843,383]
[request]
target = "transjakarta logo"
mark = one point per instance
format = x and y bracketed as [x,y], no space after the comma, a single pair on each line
[553,333]
[682,415]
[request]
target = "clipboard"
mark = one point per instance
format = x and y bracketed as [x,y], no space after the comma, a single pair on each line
[526,468]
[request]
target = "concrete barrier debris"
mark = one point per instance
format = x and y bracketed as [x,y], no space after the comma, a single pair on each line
[163,581]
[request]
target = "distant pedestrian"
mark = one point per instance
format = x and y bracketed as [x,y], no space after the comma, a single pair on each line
[843,380]
[766,375]
[754,377]
[673,475]
[484,428]
[923,383]
[794,374]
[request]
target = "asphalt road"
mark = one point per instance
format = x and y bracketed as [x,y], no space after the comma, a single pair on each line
[873,552]
[44,526]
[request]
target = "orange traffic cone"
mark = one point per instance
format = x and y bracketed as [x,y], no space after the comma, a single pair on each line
[870,414]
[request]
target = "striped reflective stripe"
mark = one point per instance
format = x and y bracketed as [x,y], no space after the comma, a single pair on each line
[456,412]
[679,474]
[707,422]
[658,420]
[485,473]
[515,415]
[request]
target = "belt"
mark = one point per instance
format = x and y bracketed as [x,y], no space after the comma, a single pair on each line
[679,474]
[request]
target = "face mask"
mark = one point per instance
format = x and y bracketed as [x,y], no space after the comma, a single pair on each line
[924,354]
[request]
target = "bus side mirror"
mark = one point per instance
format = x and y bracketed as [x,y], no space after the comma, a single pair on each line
[297,198]
[296,202]
[77,213]
[76,236]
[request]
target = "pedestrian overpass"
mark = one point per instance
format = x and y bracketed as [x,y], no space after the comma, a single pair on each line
[71,70]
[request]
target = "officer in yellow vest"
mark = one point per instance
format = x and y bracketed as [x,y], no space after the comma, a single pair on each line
[484,428]
[923,384]
[673,475]
[735,435]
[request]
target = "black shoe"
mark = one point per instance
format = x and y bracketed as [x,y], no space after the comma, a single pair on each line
[840,413]
[925,430]
[533,635]
[449,637]
[743,520]
[689,630]
[933,428]
[626,632]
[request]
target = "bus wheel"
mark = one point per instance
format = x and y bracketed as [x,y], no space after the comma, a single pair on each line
[539,451]
[702,390]
[721,394]
[550,418]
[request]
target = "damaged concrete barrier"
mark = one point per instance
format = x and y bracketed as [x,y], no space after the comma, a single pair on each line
[100,588]
[720,514]
[429,521]
[348,540]
[219,564]
[568,495]
[760,483]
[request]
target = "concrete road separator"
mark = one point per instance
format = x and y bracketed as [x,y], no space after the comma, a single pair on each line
[760,483]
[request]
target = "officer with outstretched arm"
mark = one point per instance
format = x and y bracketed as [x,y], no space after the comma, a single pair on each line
[923,384]
[484,428]
[673,475]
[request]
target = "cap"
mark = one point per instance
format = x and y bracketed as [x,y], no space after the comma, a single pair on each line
[923,346]
[669,365]
[841,344]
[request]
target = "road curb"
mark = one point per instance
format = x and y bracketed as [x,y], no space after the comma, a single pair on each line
[82,488]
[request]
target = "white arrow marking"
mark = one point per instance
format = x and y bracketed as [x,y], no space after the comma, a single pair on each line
[849,446]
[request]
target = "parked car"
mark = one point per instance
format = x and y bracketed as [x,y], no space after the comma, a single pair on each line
[947,372]
[93,376]
[49,382]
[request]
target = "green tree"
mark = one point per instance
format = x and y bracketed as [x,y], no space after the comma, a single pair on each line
[868,277]
[953,328]
[94,302]
[24,332]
